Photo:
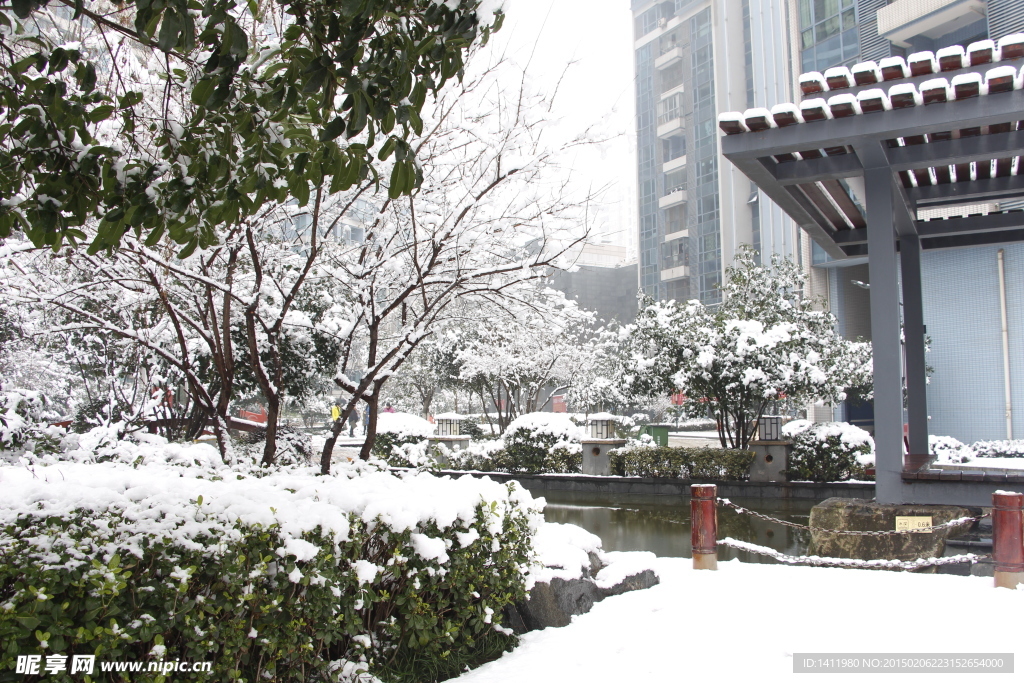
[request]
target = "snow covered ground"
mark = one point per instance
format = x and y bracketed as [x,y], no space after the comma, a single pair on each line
[745,622]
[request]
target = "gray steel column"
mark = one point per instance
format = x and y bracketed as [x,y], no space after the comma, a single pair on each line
[885,334]
[913,333]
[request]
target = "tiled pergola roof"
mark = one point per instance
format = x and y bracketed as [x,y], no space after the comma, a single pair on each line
[966,150]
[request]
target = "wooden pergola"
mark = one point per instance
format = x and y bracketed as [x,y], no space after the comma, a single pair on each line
[856,169]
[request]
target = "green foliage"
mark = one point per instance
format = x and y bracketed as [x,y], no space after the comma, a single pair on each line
[96,412]
[254,126]
[682,463]
[820,457]
[533,453]
[388,446]
[24,423]
[470,426]
[236,600]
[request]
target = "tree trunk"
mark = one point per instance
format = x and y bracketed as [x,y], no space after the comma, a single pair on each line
[325,456]
[270,447]
[371,428]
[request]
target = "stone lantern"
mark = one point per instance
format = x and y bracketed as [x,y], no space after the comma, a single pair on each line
[602,439]
[771,450]
[448,435]
[448,424]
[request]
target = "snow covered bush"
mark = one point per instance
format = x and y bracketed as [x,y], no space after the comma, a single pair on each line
[827,451]
[24,424]
[272,578]
[999,449]
[293,447]
[401,439]
[644,459]
[542,442]
[949,450]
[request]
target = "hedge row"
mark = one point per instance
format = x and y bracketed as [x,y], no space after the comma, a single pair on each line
[258,600]
[682,463]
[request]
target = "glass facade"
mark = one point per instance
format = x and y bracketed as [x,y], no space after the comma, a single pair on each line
[647,171]
[828,33]
[703,197]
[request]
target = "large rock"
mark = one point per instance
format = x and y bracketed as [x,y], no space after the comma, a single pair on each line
[554,603]
[852,514]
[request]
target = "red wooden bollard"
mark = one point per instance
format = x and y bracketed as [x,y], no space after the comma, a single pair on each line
[1008,538]
[704,525]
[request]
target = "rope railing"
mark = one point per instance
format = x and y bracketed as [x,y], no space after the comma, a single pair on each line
[816,561]
[960,521]
[1007,534]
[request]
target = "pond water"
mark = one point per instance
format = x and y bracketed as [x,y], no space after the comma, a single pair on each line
[664,529]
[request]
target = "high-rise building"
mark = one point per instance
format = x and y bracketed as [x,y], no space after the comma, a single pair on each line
[694,58]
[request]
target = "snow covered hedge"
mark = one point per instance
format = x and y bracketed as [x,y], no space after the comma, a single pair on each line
[827,451]
[401,439]
[542,442]
[681,463]
[280,577]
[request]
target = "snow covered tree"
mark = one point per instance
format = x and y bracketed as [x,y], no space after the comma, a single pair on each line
[763,343]
[177,119]
[495,210]
[526,352]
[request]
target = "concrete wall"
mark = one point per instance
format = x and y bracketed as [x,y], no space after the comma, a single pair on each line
[609,291]
[961,312]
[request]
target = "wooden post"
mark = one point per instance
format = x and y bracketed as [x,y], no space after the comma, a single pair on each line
[704,525]
[1008,538]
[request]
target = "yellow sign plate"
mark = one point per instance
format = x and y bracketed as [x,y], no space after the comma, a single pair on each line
[913,523]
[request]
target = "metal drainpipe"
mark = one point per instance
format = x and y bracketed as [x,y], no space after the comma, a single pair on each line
[1006,344]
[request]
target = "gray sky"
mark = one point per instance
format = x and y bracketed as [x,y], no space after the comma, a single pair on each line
[597,89]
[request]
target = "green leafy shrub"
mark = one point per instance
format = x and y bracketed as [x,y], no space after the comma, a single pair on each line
[541,442]
[25,424]
[470,426]
[401,440]
[827,451]
[198,583]
[681,463]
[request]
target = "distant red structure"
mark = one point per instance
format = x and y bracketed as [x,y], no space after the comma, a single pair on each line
[260,416]
[558,404]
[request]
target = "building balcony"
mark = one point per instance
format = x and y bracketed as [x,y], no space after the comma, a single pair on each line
[675,273]
[672,199]
[668,58]
[672,236]
[673,164]
[671,127]
[904,19]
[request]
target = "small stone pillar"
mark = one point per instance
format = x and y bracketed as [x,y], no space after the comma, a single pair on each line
[704,525]
[596,460]
[448,435]
[1008,538]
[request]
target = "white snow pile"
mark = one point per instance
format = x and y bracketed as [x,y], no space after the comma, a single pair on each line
[949,450]
[1004,448]
[102,444]
[558,427]
[404,425]
[566,551]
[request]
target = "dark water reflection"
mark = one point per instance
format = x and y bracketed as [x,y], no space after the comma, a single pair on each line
[665,529]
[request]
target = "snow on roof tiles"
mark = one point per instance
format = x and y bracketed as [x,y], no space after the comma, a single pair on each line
[998,79]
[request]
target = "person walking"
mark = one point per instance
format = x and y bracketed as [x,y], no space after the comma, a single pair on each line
[353,420]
